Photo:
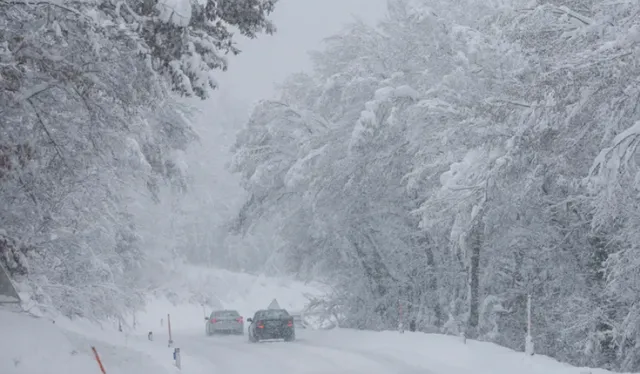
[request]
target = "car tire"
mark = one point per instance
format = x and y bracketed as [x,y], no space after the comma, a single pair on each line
[290,338]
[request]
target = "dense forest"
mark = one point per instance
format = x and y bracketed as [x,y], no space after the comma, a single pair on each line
[456,158]
[92,130]
[437,168]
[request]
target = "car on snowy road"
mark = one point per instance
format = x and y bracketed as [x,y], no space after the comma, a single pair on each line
[271,324]
[224,321]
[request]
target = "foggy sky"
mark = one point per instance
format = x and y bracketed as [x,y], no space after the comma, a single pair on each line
[252,75]
[302,24]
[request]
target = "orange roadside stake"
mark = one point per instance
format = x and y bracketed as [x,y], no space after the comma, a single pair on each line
[95,353]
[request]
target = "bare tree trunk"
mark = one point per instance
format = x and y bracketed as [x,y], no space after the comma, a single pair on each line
[474,244]
[433,285]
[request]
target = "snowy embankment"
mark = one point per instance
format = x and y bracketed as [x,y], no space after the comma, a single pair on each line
[31,345]
[439,354]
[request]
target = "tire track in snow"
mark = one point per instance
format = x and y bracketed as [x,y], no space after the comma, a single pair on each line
[304,356]
[393,364]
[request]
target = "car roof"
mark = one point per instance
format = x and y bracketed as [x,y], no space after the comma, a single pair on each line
[225,311]
[271,310]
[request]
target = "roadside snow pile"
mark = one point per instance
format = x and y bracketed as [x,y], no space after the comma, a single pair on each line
[32,345]
[200,290]
[435,353]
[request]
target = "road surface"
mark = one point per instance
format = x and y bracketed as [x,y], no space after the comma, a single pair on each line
[309,354]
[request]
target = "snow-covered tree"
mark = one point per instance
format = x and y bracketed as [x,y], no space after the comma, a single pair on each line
[91,128]
[457,158]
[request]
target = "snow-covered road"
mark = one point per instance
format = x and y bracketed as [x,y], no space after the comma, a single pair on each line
[344,351]
[308,355]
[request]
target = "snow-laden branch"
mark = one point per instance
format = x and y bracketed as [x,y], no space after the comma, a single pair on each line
[54,3]
[494,101]
[575,15]
[28,93]
[611,159]
[564,10]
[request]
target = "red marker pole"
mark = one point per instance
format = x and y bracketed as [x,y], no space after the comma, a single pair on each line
[95,354]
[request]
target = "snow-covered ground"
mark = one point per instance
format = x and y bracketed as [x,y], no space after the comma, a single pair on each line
[31,345]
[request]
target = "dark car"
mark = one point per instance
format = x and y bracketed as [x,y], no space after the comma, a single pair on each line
[271,324]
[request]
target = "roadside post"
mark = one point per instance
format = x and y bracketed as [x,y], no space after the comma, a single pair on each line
[169,327]
[177,358]
[97,357]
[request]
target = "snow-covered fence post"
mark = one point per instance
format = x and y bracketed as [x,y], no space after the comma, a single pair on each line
[176,357]
[150,336]
[169,327]
[528,344]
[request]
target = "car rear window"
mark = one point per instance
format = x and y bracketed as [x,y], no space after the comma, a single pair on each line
[274,313]
[226,313]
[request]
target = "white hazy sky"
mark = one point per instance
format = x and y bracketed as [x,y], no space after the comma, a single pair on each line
[302,24]
[268,60]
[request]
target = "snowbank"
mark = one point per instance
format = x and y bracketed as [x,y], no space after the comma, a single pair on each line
[31,345]
[441,353]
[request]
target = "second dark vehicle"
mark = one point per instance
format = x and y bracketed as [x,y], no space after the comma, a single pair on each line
[271,324]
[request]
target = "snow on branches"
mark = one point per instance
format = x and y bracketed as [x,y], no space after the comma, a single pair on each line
[473,187]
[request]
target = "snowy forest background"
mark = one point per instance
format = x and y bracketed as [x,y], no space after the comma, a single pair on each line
[454,159]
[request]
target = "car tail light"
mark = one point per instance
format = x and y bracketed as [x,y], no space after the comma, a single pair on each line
[260,324]
[213,320]
[290,324]
[239,319]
